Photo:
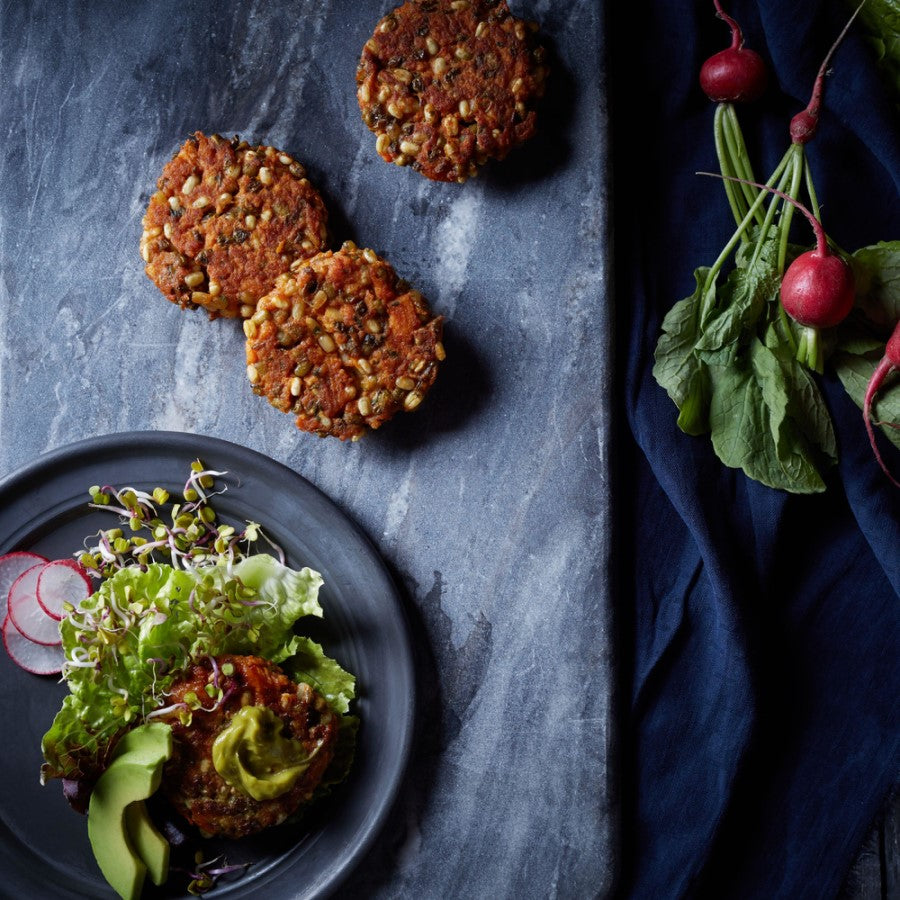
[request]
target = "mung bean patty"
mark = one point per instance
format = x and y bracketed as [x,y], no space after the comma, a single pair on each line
[343,343]
[225,221]
[190,780]
[448,85]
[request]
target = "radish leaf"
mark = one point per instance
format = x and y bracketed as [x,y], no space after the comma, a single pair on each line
[880,20]
[861,340]
[726,361]
[677,367]
[767,418]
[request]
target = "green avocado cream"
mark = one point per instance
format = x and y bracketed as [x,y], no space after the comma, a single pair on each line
[252,754]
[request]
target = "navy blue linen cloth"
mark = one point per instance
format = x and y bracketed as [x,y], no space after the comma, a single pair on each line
[764,627]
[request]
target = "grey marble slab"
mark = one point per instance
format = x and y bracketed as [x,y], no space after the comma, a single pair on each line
[490,504]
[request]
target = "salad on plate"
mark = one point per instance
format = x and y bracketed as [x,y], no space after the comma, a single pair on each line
[190,680]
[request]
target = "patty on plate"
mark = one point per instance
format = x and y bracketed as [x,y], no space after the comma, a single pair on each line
[343,343]
[227,219]
[448,84]
[190,780]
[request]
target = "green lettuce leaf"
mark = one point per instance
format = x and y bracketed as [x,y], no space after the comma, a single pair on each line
[339,767]
[310,664]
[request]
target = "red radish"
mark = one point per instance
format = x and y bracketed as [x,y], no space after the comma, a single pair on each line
[890,362]
[736,74]
[39,659]
[12,565]
[26,613]
[805,123]
[62,581]
[817,289]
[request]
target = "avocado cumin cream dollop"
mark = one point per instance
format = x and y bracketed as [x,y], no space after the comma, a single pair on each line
[253,756]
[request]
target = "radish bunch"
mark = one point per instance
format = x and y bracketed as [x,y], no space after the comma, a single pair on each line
[817,289]
[821,287]
[35,594]
[738,356]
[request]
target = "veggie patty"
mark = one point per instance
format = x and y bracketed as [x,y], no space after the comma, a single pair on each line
[225,221]
[446,86]
[190,779]
[343,343]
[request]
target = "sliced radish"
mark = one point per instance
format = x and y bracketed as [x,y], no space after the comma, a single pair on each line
[62,581]
[26,612]
[39,659]
[12,565]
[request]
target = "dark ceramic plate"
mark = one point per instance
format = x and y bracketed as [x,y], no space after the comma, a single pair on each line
[44,849]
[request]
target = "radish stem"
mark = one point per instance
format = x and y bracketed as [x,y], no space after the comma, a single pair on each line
[788,214]
[809,353]
[734,161]
[740,158]
[810,187]
[736,237]
[781,185]
[738,210]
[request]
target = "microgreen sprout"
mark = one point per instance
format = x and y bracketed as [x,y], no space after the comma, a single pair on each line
[205,874]
[191,537]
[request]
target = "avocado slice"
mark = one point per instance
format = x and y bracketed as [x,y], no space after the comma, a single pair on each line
[126,844]
[122,783]
[147,743]
[151,846]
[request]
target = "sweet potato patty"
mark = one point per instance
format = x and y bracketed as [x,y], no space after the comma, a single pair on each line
[448,85]
[343,343]
[190,779]
[225,221]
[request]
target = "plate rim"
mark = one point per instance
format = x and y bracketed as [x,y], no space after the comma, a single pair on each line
[373,825]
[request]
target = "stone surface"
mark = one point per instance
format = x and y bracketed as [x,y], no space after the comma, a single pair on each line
[490,504]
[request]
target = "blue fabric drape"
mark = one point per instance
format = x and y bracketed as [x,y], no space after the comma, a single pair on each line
[764,628]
